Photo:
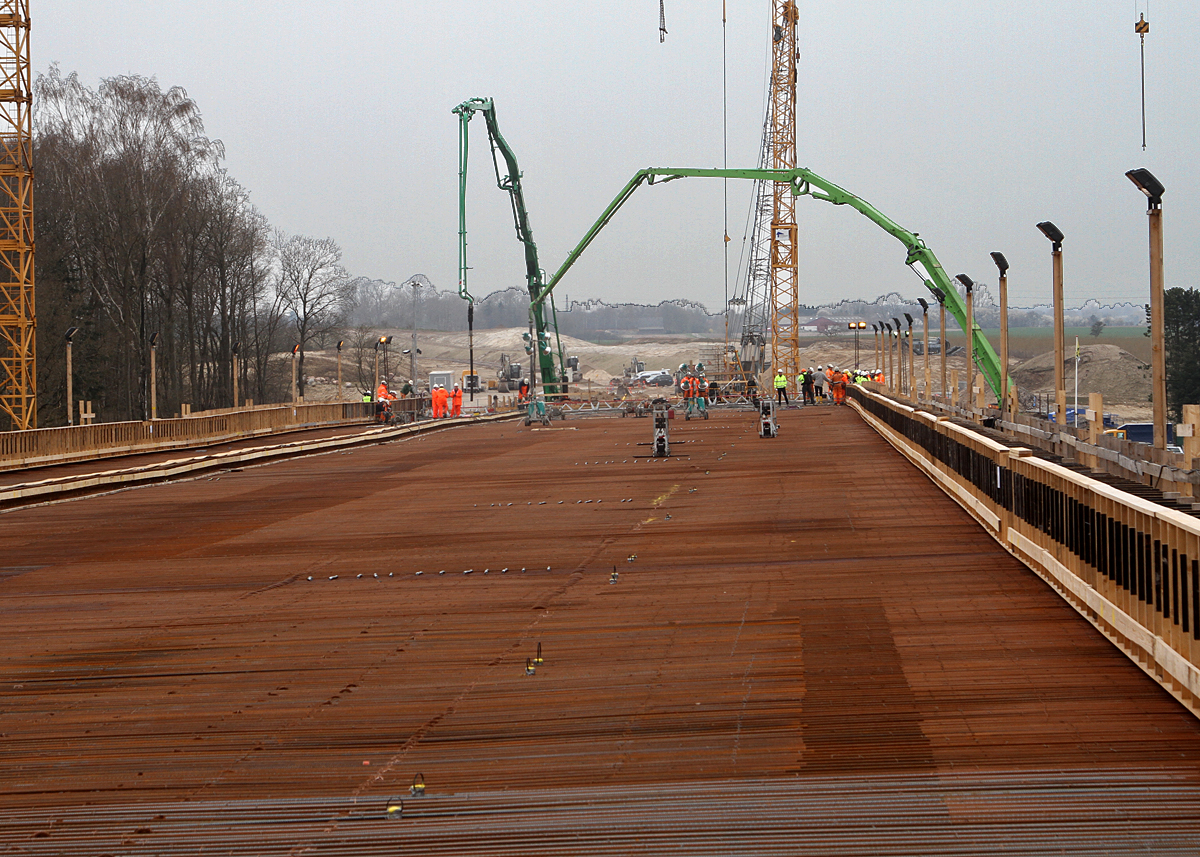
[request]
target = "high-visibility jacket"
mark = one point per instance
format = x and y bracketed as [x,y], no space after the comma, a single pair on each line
[382,393]
[780,381]
[457,396]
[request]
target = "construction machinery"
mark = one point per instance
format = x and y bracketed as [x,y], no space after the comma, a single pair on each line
[508,376]
[537,340]
[767,426]
[804,182]
[662,432]
[18,321]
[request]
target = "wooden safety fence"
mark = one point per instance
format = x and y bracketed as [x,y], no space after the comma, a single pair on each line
[101,440]
[1130,566]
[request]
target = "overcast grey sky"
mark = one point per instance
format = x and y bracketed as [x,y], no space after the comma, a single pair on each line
[967,122]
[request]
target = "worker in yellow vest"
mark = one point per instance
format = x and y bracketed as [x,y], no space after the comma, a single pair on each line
[781,396]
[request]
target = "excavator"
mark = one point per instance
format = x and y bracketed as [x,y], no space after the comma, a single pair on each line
[537,340]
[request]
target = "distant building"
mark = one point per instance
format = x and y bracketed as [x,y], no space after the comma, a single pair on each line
[648,326]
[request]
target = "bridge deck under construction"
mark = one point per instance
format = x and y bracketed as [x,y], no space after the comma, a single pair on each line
[807,647]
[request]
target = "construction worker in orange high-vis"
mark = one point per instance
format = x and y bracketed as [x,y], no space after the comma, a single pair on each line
[435,401]
[837,386]
[456,402]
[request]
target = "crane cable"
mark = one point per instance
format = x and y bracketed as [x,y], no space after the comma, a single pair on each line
[662,21]
[1142,27]
[725,155]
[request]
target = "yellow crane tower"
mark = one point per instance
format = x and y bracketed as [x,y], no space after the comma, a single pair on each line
[784,301]
[18,369]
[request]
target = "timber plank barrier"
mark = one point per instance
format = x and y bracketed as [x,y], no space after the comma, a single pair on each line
[1129,566]
[101,440]
[1170,472]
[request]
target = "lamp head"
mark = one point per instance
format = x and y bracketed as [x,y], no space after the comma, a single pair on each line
[1053,233]
[71,331]
[888,326]
[295,349]
[237,348]
[874,328]
[924,304]
[897,323]
[966,281]
[341,342]
[1147,184]
[154,341]
[1001,263]
[910,319]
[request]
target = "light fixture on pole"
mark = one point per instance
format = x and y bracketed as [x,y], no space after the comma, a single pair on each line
[385,341]
[969,285]
[237,347]
[900,355]
[1002,266]
[71,331]
[1055,237]
[341,342]
[875,330]
[912,374]
[941,299]
[154,376]
[378,342]
[925,315]
[891,363]
[856,326]
[1153,189]
[295,389]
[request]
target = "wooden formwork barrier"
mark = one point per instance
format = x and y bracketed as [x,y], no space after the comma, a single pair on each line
[1130,566]
[101,440]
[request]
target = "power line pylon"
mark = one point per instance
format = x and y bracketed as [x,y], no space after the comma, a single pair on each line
[18,322]
[785,327]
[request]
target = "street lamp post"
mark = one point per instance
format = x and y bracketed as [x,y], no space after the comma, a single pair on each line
[941,299]
[891,363]
[969,286]
[1002,266]
[1153,189]
[912,361]
[925,317]
[875,331]
[341,342]
[295,389]
[378,342]
[1055,236]
[900,355]
[71,331]
[237,347]
[153,376]
[856,326]
[385,341]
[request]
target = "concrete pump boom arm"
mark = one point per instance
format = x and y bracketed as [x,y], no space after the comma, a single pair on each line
[508,179]
[805,182]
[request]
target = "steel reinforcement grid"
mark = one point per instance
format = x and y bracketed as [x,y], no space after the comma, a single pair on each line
[758,645]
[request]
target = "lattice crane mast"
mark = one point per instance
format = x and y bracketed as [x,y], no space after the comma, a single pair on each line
[18,321]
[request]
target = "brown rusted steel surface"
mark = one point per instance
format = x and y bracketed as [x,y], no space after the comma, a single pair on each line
[808,649]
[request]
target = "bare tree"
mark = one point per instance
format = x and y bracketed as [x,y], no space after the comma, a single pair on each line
[314,287]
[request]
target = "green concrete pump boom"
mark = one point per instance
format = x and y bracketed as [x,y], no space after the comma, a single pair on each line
[805,182]
[539,343]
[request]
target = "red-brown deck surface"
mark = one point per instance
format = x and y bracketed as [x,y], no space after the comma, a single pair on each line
[808,648]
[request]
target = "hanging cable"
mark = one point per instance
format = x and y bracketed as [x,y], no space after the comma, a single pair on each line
[725,155]
[1142,27]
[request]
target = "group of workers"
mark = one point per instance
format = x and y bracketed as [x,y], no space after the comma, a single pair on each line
[695,390]
[445,403]
[813,382]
